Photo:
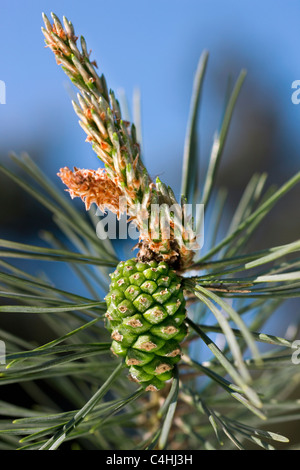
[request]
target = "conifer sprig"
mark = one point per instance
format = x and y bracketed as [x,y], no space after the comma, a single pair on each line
[115,142]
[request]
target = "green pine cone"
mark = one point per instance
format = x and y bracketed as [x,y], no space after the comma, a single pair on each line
[145,315]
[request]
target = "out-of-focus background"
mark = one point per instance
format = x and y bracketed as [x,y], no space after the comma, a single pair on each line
[154,47]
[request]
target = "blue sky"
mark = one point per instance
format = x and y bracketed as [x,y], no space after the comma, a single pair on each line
[154,46]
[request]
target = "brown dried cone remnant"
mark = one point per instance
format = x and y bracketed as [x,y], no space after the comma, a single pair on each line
[114,141]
